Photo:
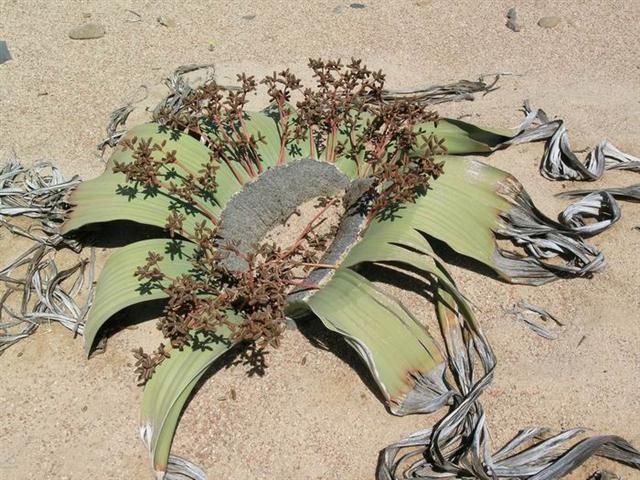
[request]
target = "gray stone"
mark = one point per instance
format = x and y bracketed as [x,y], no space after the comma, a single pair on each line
[87,31]
[166,22]
[248,17]
[5,56]
[512,20]
[358,5]
[549,22]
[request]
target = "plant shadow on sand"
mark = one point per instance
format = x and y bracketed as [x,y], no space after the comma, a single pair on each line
[117,233]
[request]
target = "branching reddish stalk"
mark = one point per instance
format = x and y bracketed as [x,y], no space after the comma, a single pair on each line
[250,142]
[312,143]
[284,130]
[308,229]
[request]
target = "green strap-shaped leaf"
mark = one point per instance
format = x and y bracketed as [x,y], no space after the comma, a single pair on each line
[399,351]
[471,205]
[118,288]
[405,247]
[392,243]
[110,197]
[462,138]
[168,390]
[461,208]
[192,153]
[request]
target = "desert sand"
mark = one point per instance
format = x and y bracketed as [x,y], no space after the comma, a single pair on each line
[66,417]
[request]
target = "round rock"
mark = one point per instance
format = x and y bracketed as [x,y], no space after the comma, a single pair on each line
[87,31]
[549,22]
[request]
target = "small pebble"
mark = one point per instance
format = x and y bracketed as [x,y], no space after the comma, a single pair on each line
[549,22]
[5,56]
[166,22]
[87,31]
[604,475]
[512,20]
[85,408]
[358,5]
[86,15]
[248,17]
[338,9]
[423,3]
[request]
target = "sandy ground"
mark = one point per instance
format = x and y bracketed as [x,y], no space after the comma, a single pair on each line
[68,418]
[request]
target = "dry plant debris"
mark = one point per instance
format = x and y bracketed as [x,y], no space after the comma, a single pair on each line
[32,206]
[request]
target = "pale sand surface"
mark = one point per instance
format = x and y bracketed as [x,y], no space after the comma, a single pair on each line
[320,420]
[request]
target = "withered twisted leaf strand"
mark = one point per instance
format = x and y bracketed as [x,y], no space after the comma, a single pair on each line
[524,308]
[436,94]
[600,205]
[38,193]
[458,446]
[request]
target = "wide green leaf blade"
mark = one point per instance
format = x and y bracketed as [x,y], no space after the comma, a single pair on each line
[484,213]
[391,243]
[118,288]
[169,389]
[461,138]
[400,353]
[110,197]
[192,153]
[407,248]
[461,208]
